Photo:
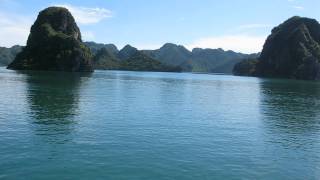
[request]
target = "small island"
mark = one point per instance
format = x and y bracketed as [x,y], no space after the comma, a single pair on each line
[54,44]
[291,51]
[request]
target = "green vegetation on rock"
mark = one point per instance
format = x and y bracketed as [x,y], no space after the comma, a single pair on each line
[198,60]
[141,62]
[128,59]
[95,47]
[173,56]
[170,54]
[291,51]
[106,60]
[54,44]
[126,52]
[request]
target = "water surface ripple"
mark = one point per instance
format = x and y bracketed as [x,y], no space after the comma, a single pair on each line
[141,125]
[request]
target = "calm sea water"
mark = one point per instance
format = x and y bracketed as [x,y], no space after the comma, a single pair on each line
[141,125]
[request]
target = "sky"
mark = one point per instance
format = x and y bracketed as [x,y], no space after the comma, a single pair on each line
[238,25]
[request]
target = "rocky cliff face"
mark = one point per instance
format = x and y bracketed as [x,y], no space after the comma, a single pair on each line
[292,51]
[54,44]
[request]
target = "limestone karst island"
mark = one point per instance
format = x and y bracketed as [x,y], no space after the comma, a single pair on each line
[291,51]
[54,44]
[159,90]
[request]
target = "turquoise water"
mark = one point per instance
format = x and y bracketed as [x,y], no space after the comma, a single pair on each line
[141,125]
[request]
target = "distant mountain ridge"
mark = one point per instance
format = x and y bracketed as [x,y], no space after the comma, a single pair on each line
[197,60]
[128,58]
[126,52]
[171,54]
[7,55]
[215,60]
[106,56]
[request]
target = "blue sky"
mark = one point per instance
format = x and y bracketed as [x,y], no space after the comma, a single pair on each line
[239,25]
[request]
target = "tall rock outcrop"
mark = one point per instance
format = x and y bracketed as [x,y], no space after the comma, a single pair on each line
[54,44]
[292,51]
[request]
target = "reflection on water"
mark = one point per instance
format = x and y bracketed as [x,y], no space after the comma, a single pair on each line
[139,125]
[53,100]
[291,110]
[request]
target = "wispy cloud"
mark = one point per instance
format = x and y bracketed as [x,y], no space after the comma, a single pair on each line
[14,29]
[300,8]
[246,38]
[238,43]
[295,5]
[86,15]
